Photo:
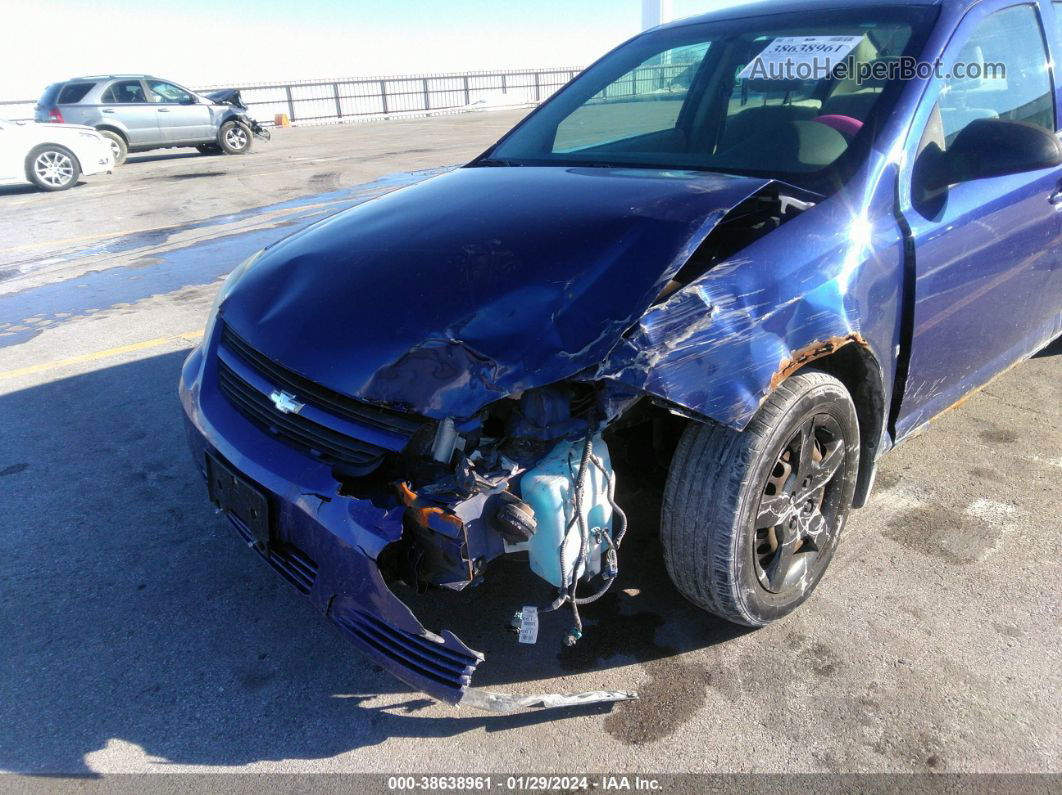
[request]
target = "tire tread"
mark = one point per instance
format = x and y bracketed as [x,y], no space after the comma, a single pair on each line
[708,479]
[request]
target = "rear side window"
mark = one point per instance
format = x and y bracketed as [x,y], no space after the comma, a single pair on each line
[125,91]
[1006,75]
[73,92]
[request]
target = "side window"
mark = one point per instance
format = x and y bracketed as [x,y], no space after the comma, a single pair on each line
[1001,73]
[647,99]
[168,92]
[125,91]
[73,92]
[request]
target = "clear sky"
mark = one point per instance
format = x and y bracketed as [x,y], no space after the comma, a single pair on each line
[206,42]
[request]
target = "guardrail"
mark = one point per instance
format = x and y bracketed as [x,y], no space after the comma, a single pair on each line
[353,99]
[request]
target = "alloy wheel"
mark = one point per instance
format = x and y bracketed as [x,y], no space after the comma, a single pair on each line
[236,137]
[797,520]
[54,168]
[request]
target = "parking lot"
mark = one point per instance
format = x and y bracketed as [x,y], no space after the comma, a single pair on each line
[139,634]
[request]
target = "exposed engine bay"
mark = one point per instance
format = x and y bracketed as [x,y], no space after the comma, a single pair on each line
[530,476]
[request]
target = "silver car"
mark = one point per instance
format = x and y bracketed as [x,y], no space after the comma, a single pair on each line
[140,112]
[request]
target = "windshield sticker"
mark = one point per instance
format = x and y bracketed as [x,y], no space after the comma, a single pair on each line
[799,58]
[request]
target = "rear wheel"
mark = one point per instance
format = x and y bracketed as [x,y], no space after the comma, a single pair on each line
[235,138]
[119,148]
[751,519]
[52,167]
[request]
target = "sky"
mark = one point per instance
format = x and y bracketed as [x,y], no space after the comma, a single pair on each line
[200,42]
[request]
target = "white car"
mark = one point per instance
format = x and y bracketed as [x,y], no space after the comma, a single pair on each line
[51,156]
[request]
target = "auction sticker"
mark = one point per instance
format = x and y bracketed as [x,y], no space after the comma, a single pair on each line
[800,57]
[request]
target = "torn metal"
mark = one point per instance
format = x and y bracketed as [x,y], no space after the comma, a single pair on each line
[232,96]
[500,702]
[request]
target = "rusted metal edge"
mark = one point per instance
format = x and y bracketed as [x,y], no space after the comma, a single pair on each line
[811,352]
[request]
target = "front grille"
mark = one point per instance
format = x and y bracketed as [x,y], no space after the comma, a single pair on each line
[335,403]
[288,560]
[320,441]
[425,657]
[333,427]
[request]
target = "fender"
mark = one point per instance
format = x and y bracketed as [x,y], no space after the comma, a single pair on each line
[719,347]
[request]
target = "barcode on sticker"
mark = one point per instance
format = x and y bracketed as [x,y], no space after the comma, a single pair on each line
[529,625]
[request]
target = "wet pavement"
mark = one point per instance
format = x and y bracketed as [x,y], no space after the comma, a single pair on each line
[140,634]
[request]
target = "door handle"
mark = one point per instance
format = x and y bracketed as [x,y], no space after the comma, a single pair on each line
[164,110]
[108,110]
[1056,197]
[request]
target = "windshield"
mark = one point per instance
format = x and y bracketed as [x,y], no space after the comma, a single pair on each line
[790,96]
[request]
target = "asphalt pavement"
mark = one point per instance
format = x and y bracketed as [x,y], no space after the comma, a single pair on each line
[139,634]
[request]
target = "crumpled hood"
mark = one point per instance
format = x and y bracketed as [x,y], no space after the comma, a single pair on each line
[447,295]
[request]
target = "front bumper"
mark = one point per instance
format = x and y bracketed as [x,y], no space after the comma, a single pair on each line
[96,160]
[327,546]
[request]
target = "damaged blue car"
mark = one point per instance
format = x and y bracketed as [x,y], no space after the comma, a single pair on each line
[758,248]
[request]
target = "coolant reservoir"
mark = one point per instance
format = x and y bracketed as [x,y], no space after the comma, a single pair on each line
[549,488]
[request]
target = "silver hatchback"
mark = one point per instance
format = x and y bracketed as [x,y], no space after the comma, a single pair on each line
[140,112]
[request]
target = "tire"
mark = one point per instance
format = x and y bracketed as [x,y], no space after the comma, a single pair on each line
[723,484]
[209,149]
[52,167]
[119,148]
[235,138]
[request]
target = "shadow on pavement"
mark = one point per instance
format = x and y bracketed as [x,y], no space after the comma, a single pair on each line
[137,158]
[22,190]
[130,611]
[17,190]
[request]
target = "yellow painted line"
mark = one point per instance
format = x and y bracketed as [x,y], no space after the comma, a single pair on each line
[97,355]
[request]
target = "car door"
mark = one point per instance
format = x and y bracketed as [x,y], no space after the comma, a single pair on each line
[126,102]
[183,118]
[1055,45]
[984,250]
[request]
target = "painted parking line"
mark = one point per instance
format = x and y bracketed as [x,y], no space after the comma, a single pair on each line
[188,336]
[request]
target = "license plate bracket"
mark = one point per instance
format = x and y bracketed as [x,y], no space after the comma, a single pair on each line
[236,496]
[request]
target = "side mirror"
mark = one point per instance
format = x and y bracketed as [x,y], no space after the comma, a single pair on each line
[994,148]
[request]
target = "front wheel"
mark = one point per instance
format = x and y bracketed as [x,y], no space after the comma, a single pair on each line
[235,138]
[751,519]
[51,167]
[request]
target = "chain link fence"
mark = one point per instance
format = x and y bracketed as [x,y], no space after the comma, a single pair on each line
[364,98]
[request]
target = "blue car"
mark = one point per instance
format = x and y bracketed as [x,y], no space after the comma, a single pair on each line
[757,248]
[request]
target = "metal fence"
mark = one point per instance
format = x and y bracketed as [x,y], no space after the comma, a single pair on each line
[363,98]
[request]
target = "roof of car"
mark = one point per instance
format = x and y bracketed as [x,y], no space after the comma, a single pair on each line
[106,77]
[755,8]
